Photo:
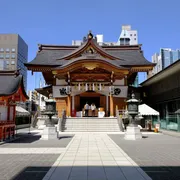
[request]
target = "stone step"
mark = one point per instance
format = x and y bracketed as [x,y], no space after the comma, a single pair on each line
[93,130]
[90,125]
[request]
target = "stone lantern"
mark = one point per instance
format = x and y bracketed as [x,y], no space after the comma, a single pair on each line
[49,131]
[133,131]
[132,105]
[50,111]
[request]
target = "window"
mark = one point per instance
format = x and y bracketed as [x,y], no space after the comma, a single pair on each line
[134,38]
[13,50]
[7,56]
[13,56]
[12,62]
[7,62]
[124,34]
[1,50]
[1,56]
[7,50]
[134,34]
[130,34]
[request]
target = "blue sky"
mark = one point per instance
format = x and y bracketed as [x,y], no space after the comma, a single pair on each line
[61,21]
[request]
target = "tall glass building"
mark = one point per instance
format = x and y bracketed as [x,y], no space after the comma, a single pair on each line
[13,54]
[165,58]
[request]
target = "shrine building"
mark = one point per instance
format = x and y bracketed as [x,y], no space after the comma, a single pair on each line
[89,73]
[11,91]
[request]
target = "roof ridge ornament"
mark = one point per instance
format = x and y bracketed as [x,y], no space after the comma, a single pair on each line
[90,35]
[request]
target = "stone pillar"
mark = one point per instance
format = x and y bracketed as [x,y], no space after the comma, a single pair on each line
[111,106]
[69,105]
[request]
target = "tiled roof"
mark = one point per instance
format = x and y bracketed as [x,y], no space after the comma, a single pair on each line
[10,83]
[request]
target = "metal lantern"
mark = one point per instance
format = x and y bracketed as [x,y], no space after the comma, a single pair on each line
[133,109]
[50,111]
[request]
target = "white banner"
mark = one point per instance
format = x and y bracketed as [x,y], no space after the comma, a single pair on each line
[59,91]
[119,91]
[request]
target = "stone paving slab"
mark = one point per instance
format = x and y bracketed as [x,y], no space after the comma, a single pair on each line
[33,141]
[157,155]
[31,150]
[94,157]
[25,166]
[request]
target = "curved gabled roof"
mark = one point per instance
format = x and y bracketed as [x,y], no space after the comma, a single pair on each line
[10,83]
[52,56]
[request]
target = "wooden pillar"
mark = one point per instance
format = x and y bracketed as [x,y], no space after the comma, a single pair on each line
[125,81]
[111,106]
[107,105]
[69,105]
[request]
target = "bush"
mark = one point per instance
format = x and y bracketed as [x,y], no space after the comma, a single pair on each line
[22,120]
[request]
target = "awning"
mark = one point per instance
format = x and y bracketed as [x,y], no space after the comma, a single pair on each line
[178,111]
[21,111]
[146,110]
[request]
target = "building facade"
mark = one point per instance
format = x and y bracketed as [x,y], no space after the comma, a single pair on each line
[165,58]
[13,54]
[128,36]
[36,99]
[89,73]
[162,92]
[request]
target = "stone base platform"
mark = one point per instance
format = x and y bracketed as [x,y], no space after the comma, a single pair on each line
[133,133]
[49,133]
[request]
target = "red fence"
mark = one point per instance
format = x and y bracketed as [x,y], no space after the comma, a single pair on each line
[7,130]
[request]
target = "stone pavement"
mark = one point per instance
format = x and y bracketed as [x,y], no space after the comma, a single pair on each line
[25,166]
[29,157]
[158,155]
[94,156]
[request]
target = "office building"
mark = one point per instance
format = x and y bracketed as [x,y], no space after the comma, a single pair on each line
[128,36]
[165,58]
[13,54]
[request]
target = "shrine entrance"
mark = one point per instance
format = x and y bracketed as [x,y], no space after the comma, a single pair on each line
[90,97]
[89,100]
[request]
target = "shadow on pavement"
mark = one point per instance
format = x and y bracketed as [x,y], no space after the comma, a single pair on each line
[99,173]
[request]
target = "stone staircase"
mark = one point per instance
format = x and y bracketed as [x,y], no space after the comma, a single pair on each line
[85,124]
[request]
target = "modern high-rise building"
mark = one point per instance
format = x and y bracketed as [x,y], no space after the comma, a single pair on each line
[13,54]
[165,58]
[128,36]
[100,41]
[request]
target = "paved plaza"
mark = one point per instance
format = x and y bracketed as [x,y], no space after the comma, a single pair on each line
[158,155]
[90,156]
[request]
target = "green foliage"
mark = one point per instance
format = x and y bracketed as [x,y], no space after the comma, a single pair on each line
[22,120]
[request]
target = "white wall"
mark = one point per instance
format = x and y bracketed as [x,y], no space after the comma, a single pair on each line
[3,111]
[61,82]
[119,82]
[11,113]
